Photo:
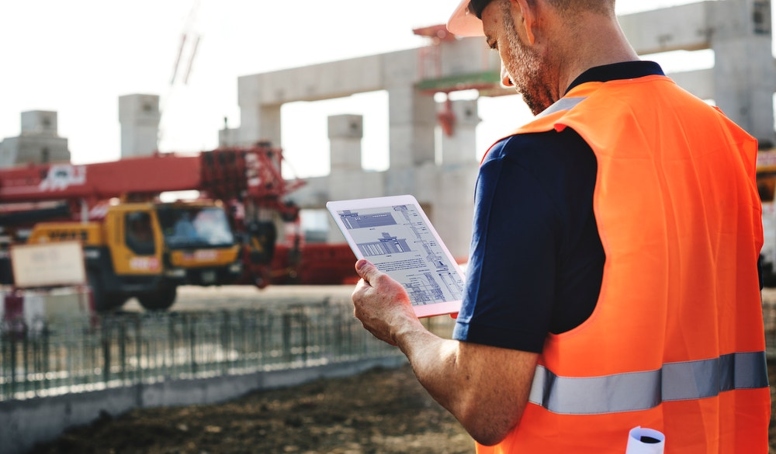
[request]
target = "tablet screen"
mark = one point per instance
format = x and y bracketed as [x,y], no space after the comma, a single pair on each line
[395,235]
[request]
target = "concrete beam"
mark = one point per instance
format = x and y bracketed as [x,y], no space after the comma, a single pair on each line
[699,82]
[313,83]
[684,27]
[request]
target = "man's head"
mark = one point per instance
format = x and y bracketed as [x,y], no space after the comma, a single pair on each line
[536,39]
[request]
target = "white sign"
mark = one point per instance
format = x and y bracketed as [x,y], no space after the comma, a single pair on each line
[48,264]
[62,176]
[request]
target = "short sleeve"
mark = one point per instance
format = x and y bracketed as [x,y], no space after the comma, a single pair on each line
[536,259]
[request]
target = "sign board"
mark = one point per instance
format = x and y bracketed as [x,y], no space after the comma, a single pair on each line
[48,264]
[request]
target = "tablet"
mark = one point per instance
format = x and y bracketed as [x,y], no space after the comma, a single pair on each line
[396,236]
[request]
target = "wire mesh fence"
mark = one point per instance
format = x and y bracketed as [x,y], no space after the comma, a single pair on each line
[86,353]
[89,353]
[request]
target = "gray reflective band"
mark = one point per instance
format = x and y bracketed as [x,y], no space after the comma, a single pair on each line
[644,390]
[561,104]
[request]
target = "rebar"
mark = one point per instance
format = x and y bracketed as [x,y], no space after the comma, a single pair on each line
[80,353]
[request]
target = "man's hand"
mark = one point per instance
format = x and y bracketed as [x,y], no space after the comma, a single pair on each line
[381,304]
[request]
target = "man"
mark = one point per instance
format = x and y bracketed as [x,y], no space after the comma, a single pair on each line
[612,281]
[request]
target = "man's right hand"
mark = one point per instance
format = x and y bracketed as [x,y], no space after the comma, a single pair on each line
[381,304]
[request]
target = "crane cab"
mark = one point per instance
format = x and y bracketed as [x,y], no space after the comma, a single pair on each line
[147,250]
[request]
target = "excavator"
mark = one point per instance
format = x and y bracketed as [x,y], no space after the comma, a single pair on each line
[137,245]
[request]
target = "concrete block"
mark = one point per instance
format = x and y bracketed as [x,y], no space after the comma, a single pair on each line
[39,123]
[7,154]
[39,149]
[400,181]
[260,123]
[460,148]
[314,194]
[345,133]
[355,184]
[468,56]
[412,121]
[401,68]
[139,116]
[38,420]
[346,126]
[139,110]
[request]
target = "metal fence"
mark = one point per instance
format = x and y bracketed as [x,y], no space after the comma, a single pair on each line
[90,353]
[65,355]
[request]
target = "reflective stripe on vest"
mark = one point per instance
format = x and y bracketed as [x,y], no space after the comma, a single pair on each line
[644,390]
[561,104]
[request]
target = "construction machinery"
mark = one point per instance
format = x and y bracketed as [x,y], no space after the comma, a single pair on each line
[136,245]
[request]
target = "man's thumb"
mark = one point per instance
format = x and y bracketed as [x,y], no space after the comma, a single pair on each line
[365,269]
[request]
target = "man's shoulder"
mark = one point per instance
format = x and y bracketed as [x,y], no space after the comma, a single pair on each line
[537,148]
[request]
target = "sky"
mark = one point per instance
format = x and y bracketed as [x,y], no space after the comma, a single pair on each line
[76,57]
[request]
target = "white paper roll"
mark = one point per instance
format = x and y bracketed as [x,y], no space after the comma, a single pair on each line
[645,441]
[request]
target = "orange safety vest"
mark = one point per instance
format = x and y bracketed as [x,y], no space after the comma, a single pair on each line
[676,341]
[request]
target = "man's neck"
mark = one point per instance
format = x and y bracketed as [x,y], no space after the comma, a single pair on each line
[604,43]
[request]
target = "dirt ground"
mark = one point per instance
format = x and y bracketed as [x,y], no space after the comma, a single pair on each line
[380,411]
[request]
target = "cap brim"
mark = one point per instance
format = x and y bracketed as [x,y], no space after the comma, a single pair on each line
[463,22]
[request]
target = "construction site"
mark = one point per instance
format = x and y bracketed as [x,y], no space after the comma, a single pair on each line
[134,314]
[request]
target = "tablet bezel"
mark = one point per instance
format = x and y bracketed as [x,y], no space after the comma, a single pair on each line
[424,310]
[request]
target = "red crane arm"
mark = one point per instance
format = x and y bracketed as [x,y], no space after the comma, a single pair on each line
[222,173]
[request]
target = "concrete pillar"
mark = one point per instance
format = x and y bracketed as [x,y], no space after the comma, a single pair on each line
[744,72]
[345,134]
[412,119]
[228,137]
[454,208]
[41,123]
[139,116]
[347,179]
[461,146]
[260,123]
[38,143]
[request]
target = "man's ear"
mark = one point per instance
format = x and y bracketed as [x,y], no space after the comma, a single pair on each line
[528,13]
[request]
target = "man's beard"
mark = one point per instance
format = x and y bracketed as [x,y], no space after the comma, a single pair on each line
[525,69]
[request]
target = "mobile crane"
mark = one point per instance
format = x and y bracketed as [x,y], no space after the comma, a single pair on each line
[134,244]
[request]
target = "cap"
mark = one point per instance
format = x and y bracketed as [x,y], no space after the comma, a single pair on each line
[463,22]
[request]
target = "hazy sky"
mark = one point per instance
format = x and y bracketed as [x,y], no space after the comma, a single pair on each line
[77,57]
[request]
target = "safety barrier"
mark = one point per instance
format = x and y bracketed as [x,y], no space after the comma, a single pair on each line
[88,353]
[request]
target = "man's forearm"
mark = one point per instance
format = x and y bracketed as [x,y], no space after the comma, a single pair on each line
[485,388]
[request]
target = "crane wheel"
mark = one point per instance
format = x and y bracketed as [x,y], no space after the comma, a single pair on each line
[161,300]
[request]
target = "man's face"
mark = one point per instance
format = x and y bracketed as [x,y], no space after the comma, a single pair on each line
[526,68]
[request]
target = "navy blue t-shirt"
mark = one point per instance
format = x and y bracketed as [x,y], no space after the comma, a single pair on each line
[536,258]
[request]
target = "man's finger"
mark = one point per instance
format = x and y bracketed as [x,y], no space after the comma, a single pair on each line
[366,270]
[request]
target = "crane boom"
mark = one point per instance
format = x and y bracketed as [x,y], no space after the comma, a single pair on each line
[226,173]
